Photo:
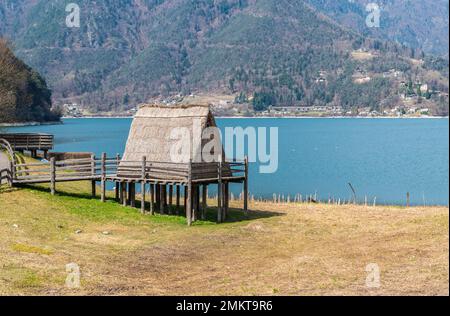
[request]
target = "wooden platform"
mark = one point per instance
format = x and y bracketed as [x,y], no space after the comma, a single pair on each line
[159,180]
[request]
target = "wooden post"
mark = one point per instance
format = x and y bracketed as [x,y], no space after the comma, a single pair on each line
[103,179]
[143,176]
[93,184]
[407,199]
[170,198]
[185,199]
[12,173]
[219,190]
[178,199]
[52,176]
[226,200]
[125,188]
[162,198]
[122,195]
[132,193]
[246,186]
[195,203]
[189,195]
[152,199]
[117,189]
[157,196]
[204,200]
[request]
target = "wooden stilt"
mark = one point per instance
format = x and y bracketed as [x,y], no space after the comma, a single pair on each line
[158,197]
[178,199]
[132,192]
[103,178]
[195,203]
[189,196]
[204,200]
[143,176]
[185,199]
[170,198]
[162,202]
[219,191]
[246,187]
[226,200]
[122,195]
[143,196]
[116,190]
[152,199]
[93,188]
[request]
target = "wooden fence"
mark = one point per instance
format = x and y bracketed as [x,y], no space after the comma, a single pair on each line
[115,169]
[29,141]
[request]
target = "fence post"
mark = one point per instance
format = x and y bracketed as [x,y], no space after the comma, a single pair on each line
[246,186]
[219,190]
[189,195]
[93,183]
[117,188]
[407,199]
[143,175]
[52,176]
[12,173]
[103,179]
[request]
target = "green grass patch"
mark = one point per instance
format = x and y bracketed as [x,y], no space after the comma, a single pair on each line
[30,249]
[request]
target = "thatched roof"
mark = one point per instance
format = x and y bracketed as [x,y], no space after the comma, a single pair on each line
[150,133]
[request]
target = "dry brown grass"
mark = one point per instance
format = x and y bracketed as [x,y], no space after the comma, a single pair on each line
[303,249]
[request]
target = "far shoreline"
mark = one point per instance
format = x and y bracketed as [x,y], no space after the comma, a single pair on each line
[25,124]
[281,117]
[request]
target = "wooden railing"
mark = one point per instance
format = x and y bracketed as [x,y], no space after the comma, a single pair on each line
[29,141]
[6,170]
[116,169]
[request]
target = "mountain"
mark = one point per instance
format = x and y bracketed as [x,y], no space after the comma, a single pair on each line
[268,52]
[24,96]
[420,24]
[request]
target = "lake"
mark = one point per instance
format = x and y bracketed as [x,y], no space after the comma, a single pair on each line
[381,158]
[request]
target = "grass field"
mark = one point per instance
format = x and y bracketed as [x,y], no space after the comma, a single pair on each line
[285,249]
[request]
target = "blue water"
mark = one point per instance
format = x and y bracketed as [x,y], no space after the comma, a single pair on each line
[382,158]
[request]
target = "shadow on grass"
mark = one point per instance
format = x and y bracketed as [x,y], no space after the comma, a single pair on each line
[234,214]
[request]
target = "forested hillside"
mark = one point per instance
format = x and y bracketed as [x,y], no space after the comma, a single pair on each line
[24,96]
[419,24]
[266,52]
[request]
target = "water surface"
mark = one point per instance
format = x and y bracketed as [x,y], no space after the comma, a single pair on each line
[382,158]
